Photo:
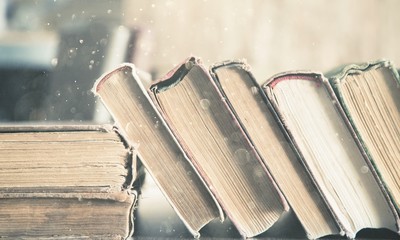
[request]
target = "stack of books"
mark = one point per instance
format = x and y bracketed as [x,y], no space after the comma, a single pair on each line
[66,181]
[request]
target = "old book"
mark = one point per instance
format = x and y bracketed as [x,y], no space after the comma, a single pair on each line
[127,100]
[244,95]
[312,117]
[203,124]
[370,96]
[65,182]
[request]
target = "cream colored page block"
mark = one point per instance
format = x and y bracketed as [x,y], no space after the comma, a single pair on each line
[332,155]
[373,101]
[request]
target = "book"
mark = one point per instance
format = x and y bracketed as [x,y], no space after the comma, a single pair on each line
[369,94]
[65,181]
[310,113]
[214,142]
[243,94]
[126,98]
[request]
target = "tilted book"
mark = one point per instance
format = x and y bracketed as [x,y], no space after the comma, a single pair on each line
[370,96]
[253,111]
[127,100]
[217,146]
[65,181]
[312,116]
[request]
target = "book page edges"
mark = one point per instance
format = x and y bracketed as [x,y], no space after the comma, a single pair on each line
[116,193]
[131,199]
[53,127]
[175,79]
[120,196]
[365,155]
[176,76]
[243,65]
[132,70]
[267,92]
[132,160]
[270,83]
[335,81]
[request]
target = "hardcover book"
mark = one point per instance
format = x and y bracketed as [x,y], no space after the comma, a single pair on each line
[310,113]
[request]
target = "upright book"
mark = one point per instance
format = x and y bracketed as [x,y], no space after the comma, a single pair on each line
[244,95]
[370,96]
[65,182]
[212,138]
[313,118]
[126,98]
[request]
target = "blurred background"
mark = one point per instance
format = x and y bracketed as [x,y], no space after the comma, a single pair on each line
[52,51]
[273,35]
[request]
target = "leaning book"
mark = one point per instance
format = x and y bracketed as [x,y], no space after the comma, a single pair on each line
[310,113]
[65,181]
[124,95]
[370,96]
